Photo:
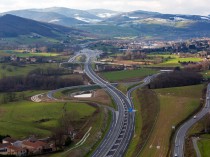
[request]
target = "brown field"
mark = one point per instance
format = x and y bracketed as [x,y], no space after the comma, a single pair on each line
[175,105]
[101,97]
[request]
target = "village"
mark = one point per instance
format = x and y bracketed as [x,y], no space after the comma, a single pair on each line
[27,147]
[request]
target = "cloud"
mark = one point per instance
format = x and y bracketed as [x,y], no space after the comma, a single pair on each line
[165,6]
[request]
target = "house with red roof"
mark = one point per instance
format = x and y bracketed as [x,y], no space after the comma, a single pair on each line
[34,147]
[17,151]
[31,146]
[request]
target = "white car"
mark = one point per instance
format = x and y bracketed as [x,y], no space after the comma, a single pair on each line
[195,117]
[175,155]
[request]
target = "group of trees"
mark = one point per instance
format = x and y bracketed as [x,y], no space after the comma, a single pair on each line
[38,79]
[175,79]
[63,135]
[50,72]
[105,47]
[201,66]
[132,56]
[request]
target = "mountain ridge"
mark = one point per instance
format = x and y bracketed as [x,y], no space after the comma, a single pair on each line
[138,24]
[14,26]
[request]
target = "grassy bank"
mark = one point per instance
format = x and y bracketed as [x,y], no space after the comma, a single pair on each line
[145,102]
[175,105]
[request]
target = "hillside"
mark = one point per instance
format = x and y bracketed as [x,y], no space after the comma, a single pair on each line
[13,26]
[73,13]
[48,17]
[154,25]
[64,16]
[103,13]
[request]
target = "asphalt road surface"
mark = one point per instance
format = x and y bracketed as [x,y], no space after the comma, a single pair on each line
[180,135]
[117,139]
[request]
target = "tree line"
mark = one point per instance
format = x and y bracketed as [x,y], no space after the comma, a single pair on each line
[176,79]
[50,72]
[39,80]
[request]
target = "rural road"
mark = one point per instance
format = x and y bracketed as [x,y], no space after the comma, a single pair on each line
[178,150]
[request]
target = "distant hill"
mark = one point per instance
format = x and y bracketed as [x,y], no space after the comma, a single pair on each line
[161,26]
[103,13]
[81,15]
[130,16]
[137,16]
[14,26]
[49,17]
[108,23]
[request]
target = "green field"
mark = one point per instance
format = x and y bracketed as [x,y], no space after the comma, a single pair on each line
[9,70]
[19,53]
[204,145]
[173,60]
[22,118]
[22,95]
[175,105]
[127,74]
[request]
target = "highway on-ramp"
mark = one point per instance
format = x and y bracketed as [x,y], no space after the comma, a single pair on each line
[178,150]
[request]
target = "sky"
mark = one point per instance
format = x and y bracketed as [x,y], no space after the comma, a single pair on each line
[195,7]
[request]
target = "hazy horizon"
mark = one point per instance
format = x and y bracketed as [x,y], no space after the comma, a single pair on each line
[194,7]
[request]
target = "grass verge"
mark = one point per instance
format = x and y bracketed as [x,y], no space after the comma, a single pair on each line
[146,102]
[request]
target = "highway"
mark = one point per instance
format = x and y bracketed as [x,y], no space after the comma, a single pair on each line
[116,141]
[146,81]
[178,150]
[119,135]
